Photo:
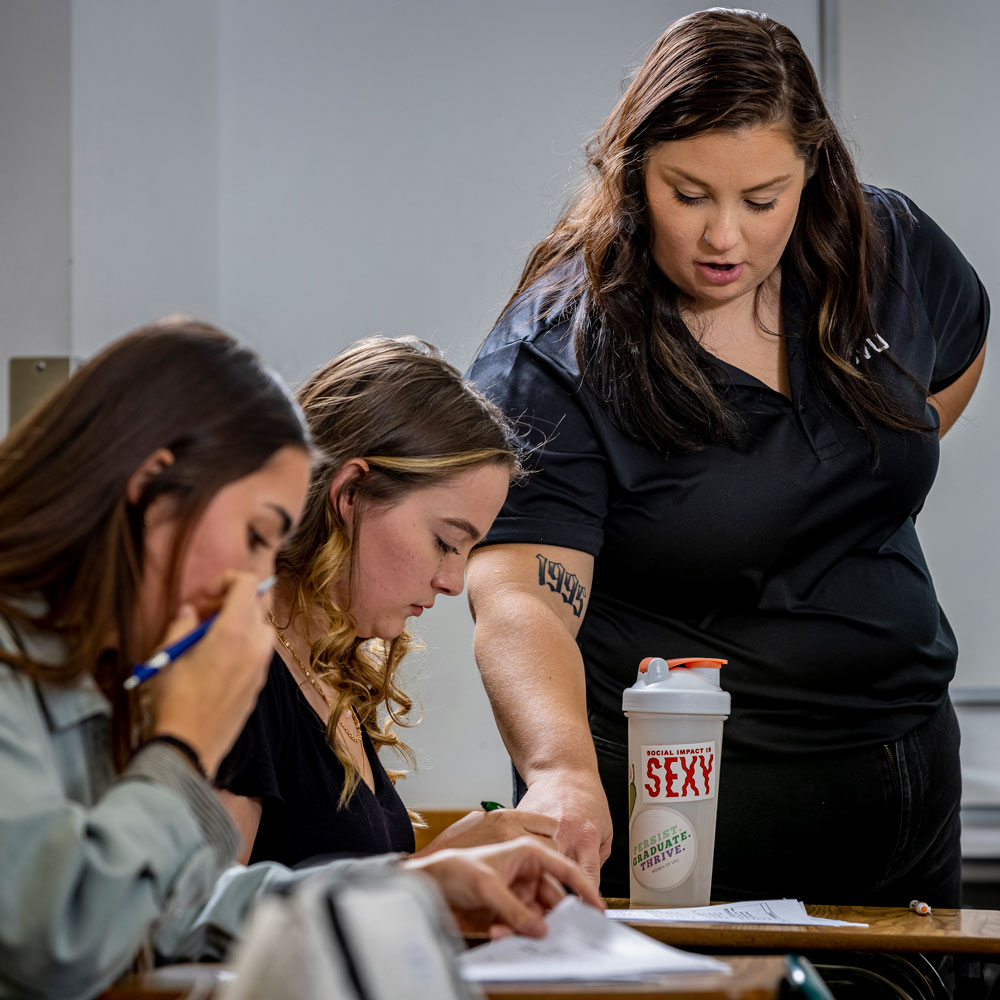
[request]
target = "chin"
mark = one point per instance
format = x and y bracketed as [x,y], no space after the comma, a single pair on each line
[384,632]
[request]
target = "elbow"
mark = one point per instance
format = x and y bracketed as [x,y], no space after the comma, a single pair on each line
[39,968]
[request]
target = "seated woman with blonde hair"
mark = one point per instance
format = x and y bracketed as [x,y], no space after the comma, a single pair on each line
[415,466]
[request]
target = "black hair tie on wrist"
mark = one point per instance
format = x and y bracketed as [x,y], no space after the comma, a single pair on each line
[185,748]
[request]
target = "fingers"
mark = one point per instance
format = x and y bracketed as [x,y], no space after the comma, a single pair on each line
[586,853]
[184,621]
[573,876]
[550,892]
[590,864]
[508,910]
[477,829]
[242,619]
[240,596]
[536,823]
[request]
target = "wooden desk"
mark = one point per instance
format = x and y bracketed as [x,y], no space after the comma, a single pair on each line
[756,977]
[890,929]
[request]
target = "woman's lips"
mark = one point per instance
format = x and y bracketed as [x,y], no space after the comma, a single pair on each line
[720,274]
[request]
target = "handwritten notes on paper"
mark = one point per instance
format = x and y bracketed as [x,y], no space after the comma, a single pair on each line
[758,911]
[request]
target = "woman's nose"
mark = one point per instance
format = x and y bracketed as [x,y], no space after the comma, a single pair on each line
[722,232]
[449,579]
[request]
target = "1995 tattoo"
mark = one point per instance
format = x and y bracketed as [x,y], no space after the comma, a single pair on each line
[566,585]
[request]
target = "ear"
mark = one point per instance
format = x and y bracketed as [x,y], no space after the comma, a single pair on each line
[343,492]
[813,162]
[147,472]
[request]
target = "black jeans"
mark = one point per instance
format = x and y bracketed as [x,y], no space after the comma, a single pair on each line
[877,826]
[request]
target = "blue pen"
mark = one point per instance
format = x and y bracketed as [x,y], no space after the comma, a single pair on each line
[143,671]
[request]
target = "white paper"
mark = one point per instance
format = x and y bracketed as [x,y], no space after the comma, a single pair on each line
[758,911]
[580,945]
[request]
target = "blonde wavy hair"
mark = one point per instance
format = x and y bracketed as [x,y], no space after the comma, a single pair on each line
[397,404]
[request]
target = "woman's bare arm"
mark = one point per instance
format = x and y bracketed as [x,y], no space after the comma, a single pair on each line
[952,401]
[245,813]
[528,602]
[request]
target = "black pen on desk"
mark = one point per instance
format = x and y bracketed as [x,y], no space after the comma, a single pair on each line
[143,671]
[490,806]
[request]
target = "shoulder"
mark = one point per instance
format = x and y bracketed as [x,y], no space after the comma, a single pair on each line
[923,259]
[252,765]
[276,699]
[273,715]
[535,328]
[29,703]
[914,241]
[931,272]
[18,700]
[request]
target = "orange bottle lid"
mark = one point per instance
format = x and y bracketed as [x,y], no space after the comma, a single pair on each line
[684,661]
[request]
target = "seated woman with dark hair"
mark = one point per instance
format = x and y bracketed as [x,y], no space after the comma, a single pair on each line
[415,465]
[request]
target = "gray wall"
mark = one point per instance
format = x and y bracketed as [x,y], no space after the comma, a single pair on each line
[918,91]
[35,145]
[145,164]
[309,172]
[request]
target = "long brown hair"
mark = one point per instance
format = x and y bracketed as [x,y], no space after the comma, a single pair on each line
[71,544]
[714,70]
[416,422]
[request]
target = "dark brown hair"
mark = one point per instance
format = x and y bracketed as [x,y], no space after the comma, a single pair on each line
[71,544]
[416,422]
[715,70]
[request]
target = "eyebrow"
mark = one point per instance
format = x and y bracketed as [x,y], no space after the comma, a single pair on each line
[470,529]
[286,518]
[756,187]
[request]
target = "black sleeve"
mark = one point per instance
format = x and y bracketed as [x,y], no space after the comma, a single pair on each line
[251,766]
[954,299]
[564,498]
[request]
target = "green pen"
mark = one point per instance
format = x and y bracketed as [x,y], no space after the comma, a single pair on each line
[804,980]
[490,806]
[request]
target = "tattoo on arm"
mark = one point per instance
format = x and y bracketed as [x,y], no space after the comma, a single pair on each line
[567,585]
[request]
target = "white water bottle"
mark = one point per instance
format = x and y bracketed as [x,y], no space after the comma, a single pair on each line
[675,711]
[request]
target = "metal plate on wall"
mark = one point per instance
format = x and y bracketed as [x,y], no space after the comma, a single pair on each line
[32,380]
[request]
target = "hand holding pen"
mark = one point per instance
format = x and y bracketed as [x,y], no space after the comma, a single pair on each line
[151,667]
[205,695]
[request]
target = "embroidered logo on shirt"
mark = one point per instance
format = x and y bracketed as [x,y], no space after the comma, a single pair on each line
[870,347]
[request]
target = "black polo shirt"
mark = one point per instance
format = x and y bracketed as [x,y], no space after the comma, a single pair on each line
[788,554]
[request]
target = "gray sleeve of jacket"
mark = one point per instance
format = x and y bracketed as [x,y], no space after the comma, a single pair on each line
[83,885]
[208,933]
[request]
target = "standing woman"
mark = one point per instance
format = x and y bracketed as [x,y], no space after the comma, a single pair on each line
[736,362]
[415,465]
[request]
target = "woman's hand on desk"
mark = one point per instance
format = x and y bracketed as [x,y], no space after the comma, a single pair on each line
[576,801]
[504,888]
[479,828]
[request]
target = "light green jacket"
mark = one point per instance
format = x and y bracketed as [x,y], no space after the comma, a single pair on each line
[94,865]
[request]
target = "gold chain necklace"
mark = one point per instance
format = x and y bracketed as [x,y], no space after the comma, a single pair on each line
[311,677]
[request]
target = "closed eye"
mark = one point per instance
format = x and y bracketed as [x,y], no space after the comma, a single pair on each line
[256,540]
[445,547]
[686,199]
[754,206]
